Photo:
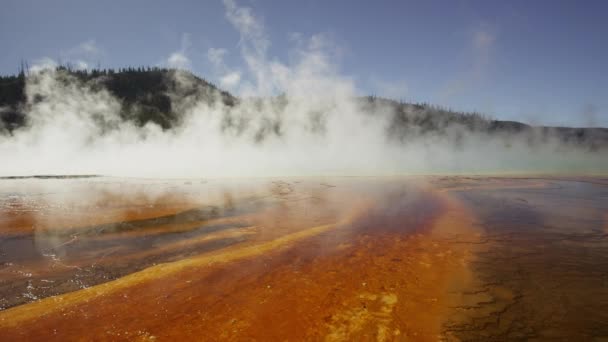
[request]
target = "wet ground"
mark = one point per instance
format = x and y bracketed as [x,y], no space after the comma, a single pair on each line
[409,258]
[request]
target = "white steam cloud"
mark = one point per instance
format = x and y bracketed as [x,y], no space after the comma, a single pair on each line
[296,118]
[179,59]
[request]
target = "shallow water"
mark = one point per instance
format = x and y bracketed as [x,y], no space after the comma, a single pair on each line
[418,258]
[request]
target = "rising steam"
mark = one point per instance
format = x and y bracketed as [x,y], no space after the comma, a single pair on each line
[297,118]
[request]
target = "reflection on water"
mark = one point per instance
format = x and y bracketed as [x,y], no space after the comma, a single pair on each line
[421,258]
[61,236]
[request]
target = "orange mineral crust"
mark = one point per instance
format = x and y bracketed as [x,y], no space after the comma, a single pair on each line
[424,258]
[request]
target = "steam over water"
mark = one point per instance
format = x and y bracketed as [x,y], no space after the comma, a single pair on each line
[301,117]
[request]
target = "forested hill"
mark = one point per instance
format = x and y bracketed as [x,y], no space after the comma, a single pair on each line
[145,93]
[160,96]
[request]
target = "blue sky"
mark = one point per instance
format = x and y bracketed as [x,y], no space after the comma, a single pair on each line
[541,62]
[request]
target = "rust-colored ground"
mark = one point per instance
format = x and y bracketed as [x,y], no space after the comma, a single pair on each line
[434,258]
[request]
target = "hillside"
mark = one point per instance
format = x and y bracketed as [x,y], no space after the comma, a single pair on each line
[161,96]
[144,93]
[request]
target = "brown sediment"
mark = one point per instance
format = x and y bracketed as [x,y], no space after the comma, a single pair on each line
[459,183]
[27,218]
[374,276]
[15,221]
[540,266]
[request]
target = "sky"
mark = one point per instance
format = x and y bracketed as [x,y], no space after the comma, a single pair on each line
[540,62]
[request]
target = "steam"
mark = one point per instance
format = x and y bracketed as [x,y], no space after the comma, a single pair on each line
[179,59]
[301,117]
